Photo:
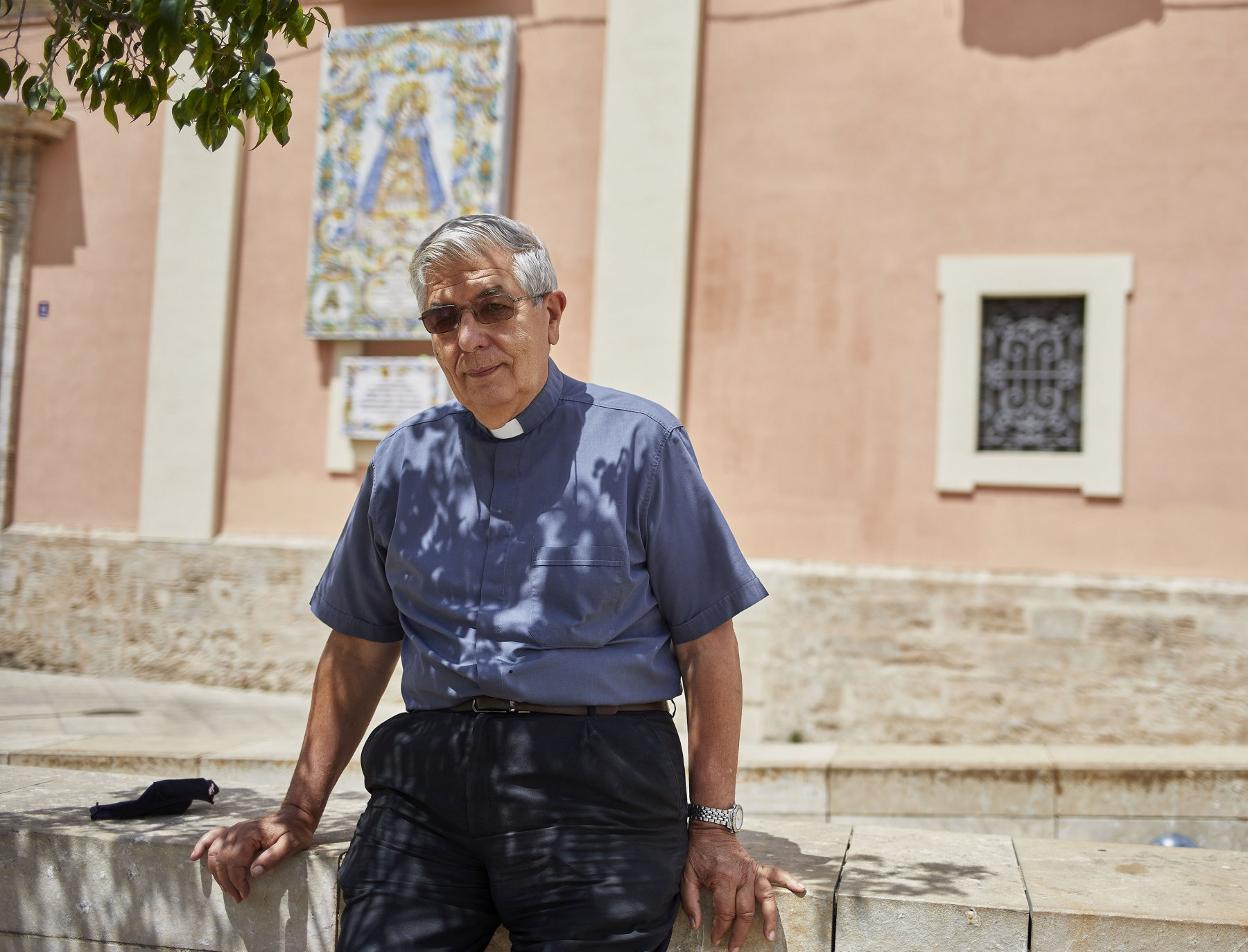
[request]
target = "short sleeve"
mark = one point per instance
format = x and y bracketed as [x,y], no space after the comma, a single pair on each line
[697,571]
[353,595]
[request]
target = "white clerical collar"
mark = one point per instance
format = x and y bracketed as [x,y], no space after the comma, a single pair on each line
[508,430]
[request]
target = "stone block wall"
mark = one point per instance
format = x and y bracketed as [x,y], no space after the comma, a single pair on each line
[227,613]
[852,654]
[877,655]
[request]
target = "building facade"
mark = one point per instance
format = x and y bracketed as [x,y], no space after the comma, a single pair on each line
[788,222]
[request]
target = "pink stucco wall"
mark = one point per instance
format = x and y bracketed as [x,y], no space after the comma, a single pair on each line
[844,149]
[275,475]
[80,421]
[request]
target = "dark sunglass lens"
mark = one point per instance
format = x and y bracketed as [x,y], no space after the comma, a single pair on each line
[440,320]
[492,312]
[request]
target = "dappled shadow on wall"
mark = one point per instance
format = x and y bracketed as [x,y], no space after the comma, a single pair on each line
[370,12]
[1033,28]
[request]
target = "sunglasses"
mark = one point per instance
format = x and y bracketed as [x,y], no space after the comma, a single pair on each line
[488,310]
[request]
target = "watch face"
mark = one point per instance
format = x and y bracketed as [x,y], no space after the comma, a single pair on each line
[738,818]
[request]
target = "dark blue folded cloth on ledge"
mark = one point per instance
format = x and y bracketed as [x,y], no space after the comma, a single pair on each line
[163,798]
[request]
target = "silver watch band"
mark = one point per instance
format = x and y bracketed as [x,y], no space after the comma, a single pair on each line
[729,819]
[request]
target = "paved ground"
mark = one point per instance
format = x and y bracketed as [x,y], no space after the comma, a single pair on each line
[155,729]
[42,706]
[124,725]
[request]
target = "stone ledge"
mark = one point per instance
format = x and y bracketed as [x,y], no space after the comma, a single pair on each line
[131,883]
[1127,793]
[910,891]
[1144,899]
[87,887]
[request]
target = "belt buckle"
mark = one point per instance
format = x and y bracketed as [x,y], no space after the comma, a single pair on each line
[478,709]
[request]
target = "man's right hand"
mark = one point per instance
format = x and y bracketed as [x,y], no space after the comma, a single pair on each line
[237,854]
[350,679]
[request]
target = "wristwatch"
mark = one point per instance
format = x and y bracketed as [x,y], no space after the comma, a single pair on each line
[731,819]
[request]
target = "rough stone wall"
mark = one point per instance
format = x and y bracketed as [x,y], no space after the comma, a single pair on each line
[897,656]
[858,655]
[104,603]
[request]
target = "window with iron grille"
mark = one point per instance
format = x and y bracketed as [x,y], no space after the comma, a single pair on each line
[1032,371]
[1031,374]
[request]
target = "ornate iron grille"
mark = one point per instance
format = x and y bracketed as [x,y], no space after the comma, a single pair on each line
[1031,374]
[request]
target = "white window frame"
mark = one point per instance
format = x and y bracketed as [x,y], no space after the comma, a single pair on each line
[1104,281]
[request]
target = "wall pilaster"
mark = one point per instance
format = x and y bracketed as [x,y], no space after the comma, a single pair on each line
[22,135]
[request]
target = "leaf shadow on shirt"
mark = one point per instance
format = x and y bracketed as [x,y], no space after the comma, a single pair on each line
[463,527]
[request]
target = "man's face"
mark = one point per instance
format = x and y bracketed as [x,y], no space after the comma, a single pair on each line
[495,370]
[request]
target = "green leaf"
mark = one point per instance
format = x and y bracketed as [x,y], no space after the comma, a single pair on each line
[49,44]
[263,125]
[204,48]
[251,86]
[110,111]
[151,43]
[116,49]
[171,13]
[19,72]
[265,64]
[299,25]
[58,109]
[131,90]
[194,102]
[324,17]
[161,78]
[34,93]
[6,78]
[101,74]
[143,100]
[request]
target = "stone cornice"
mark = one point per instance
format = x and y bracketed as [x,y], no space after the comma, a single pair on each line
[17,122]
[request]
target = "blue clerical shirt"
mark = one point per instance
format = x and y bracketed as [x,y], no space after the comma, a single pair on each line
[554,560]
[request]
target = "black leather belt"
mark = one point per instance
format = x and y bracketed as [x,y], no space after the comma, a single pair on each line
[495,705]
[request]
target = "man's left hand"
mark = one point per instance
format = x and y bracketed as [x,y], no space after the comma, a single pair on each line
[718,862]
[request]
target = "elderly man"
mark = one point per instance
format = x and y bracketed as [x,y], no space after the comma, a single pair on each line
[546,558]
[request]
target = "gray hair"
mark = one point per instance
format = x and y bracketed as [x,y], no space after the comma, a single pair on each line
[472,236]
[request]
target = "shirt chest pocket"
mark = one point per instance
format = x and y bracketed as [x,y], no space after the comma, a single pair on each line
[573,594]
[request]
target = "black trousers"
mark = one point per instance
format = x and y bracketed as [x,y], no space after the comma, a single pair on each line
[570,831]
